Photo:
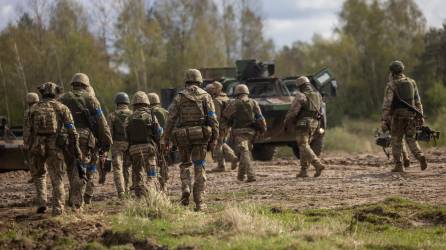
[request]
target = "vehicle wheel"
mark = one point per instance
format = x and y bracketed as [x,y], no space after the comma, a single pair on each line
[263,152]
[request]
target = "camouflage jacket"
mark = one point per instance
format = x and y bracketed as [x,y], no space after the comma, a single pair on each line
[177,109]
[230,112]
[220,102]
[90,103]
[27,127]
[160,113]
[113,116]
[389,96]
[298,104]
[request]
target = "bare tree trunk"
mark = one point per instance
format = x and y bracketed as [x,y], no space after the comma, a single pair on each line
[20,70]
[8,114]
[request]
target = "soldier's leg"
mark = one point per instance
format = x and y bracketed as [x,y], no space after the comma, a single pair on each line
[91,179]
[230,155]
[250,171]
[405,155]
[185,173]
[198,155]
[56,172]
[242,148]
[306,153]
[118,171]
[127,168]
[39,178]
[219,157]
[138,174]
[413,145]
[397,132]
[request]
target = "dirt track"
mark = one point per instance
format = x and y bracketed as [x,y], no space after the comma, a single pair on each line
[350,180]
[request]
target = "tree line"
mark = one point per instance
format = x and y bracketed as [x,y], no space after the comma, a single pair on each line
[128,45]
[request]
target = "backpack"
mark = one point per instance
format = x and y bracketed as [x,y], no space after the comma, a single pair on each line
[192,111]
[44,119]
[140,127]
[119,125]
[244,114]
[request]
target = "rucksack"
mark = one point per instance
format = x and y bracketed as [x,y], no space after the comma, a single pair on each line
[140,127]
[119,125]
[44,119]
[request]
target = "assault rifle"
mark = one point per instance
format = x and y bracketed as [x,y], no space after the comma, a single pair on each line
[424,133]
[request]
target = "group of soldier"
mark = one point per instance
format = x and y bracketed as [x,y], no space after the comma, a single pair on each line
[69,130]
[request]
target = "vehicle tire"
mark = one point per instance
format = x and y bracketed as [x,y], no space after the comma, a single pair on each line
[263,152]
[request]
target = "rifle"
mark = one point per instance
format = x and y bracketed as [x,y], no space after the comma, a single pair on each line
[207,122]
[424,133]
[410,107]
[383,140]
[105,165]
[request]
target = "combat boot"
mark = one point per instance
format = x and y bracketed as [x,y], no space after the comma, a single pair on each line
[302,174]
[319,168]
[234,164]
[41,210]
[406,163]
[185,199]
[87,199]
[398,168]
[199,207]
[252,179]
[423,162]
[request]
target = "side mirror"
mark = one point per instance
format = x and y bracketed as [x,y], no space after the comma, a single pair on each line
[333,88]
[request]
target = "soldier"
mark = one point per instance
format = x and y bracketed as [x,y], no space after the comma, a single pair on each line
[121,160]
[305,114]
[143,132]
[93,132]
[402,114]
[193,127]
[222,150]
[161,116]
[31,99]
[245,118]
[47,118]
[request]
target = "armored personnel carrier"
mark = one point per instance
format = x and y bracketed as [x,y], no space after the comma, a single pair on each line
[12,156]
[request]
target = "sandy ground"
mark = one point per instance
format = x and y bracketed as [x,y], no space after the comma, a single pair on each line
[350,180]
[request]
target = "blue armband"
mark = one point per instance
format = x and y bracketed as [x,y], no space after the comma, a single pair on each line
[259,117]
[69,125]
[99,112]
[91,168]
[200,163]
[211,113]
[160,131]
[151,172]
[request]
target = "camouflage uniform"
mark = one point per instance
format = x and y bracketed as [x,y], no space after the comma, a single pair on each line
[143,131]
[222,150]
[86,110]
[304,114]
[192,125]
[161,116]
[31,99]
[47,118]
[244,116]
[121,159]
[402,121]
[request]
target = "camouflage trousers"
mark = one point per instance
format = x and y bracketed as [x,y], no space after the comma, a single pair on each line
[79,188]
[121,166]
[243,145]
[223,152]
[193,154]
[47,157]
[143,158]
[304,135]
[404,126]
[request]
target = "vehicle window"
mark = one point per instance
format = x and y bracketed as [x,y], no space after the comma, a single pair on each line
[261,89]
[285,90]
[291,86]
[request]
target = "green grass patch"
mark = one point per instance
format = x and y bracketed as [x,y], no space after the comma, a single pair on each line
[352,137]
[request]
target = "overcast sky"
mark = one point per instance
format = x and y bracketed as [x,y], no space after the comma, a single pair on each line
[287,21]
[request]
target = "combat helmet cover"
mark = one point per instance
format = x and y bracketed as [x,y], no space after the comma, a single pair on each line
[48,89]
[140,98]
[153,98]
[396,67]
[302,80]
[32,97]
[193,76]
[241,89]
[81,78]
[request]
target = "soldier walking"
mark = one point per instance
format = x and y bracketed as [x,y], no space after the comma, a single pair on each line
[93,132]
[222,150]
[47,119]
[161,116]
[143,132]
[31,99]
[121,160]
[245,118]
[193,127]
[305,114]
[402,114]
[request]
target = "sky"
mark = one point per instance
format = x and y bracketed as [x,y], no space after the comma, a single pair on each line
[286,21]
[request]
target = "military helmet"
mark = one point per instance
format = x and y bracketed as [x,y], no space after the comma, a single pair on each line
[302,80]
[193,76]
[209,88]
[32,97]
[81,78]
[153,98]
[241,89]
[122,97]
[48,89]
[218,86]
[396,67]
[140,98]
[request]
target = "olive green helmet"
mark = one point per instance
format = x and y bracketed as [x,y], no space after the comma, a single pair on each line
[140,98]
[32,98]
[396,67]
[81,78]
[302,80]
[193,76]
[122,98]
[48,89]
[153,98]
[241,89]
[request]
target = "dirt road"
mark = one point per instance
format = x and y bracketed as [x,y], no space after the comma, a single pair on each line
[350,180]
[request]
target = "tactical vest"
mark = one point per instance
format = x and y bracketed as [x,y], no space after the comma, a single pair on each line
[44,119]
[405,90]
[140,127]
[244,116]
[77,104]
[312,107]
[119,125]
[161,115]
[192,110]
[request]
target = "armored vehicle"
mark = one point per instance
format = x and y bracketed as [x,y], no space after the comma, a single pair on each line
[12,156]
